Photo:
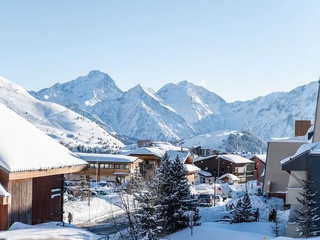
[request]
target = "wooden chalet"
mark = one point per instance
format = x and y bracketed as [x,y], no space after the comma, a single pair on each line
[153,154]
[32,168]
[218,165]
[151,157]
[204,177]
[110,167]
[187,160]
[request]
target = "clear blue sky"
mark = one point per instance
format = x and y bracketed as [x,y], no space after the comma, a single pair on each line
[237,49]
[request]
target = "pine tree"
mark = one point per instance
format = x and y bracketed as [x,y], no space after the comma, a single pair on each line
[148,214]
[176,200]
[236,214]
[247,208]
[307,216]
[183,195]
[243,210]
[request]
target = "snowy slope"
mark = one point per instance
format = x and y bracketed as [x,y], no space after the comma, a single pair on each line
[64,125]
[274,115]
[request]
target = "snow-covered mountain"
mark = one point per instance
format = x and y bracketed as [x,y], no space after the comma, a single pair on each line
[66,126]
[198,102]
[182,110]
[141,114]
[231,141]
[85,91]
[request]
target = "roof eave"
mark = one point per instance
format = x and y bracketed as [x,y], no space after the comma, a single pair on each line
[46,172]
[297,163]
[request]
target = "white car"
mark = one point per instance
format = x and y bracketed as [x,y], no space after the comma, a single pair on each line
[209,200]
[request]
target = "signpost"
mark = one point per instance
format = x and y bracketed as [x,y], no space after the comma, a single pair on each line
[191,221]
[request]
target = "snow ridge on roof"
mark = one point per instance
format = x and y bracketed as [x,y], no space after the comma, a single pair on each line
[106,157]
[191,168]
[227,157]
[205,173]
[262,157]
[159,152]
[23,147]
[235,158]
[314,148]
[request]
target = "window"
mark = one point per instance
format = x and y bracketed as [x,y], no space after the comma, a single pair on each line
[121,166]
[106,166]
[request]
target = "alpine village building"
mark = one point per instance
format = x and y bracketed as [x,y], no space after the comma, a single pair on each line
[32,168]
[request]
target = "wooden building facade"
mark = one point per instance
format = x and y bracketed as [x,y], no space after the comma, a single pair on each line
[35,196]
[218,165]
[32,166]
[109,167]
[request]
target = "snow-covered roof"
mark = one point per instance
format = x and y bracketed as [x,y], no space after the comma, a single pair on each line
[157,148]
[92,157]
[235,159]
[197,159]
[159,152]
[174,153]
[167,146]
[314,148]
[191,168]
[23,147]
[230,176]
[3,192]
[262,157]
[205,173]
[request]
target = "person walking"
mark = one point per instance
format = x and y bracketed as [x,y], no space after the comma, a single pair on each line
[257,215]
[70,217]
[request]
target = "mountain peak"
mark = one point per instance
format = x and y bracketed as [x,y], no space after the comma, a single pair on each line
[184,83]
[96,73]
[85,91]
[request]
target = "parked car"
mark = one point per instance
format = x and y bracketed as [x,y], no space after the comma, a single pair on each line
[102,191]
[229,215]
[208,200]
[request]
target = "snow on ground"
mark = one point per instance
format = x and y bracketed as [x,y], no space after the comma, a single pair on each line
[51,230]
[100,208]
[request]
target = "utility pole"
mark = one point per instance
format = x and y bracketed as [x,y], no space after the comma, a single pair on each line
[246,187]
[214,192]
[218,166]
